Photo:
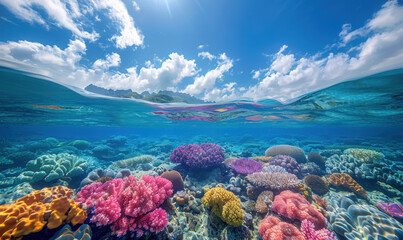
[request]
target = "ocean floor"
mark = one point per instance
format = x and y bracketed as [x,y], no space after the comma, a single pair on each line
[136,187]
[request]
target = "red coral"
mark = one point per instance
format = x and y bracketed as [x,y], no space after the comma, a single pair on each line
[295,206]
[271,228]
[308,230]
[128,204]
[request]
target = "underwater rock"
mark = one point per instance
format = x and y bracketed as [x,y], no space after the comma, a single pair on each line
[21,158]
[52,167]
[42,145]
[80,144]
[117,141]
[96,174]
[360,221]
[104,152]
[288,150]
[10,194]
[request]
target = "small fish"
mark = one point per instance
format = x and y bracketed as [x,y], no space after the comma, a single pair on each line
[46,106]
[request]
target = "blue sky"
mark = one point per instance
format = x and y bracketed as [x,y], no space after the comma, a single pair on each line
[213,49]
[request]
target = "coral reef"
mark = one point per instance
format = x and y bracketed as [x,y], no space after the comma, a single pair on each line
[133,163]
[287,162]
[295,152]
[318,159]
[263,159]
[128,204]
[353,220]
[50,207]
[264,201]
[53,167]
[176,179]
[345,180]
[273,169]
[246,166]
[317,184]
[271,228]
[308,230]
[201,156]
[295,206]
[66,233]
[393,209]
[274,181]
[364,155]
[97,174]
[225,205]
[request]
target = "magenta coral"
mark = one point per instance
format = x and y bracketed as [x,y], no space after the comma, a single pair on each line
[271,228]
[393,209]
[128,204]
[308,230]
[295,206]
[246,166]
[193,155]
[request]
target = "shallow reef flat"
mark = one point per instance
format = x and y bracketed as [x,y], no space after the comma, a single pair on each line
[201,188]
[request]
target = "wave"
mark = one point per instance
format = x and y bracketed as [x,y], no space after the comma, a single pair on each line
[27,99]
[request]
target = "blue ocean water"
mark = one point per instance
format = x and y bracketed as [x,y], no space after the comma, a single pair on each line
[41,118]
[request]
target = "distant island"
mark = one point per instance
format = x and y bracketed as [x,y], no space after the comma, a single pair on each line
[160,97]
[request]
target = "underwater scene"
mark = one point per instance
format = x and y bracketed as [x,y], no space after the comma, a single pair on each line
[192,120]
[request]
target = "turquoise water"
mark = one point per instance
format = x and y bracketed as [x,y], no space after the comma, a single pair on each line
[355,126]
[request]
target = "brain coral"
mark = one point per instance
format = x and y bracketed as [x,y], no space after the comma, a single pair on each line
[225,205]
[202,156]
[176,179]
[271,228]
[317,184]
[295,206]
[52,167]
[295,152]
[317,158]
[352,220]
[128,204]
[50,207]
[345,180]
[274,181]
[246,166]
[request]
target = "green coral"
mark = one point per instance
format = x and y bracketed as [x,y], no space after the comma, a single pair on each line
[52,167]
[364,155]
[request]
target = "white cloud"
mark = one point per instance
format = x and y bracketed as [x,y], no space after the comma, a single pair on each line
[227,93]
[64,13]
[136,6]
[379,48]
[207,55]
[171,72]
[112,60]
[129,34]
[201,46]
[207,82]
[256,74]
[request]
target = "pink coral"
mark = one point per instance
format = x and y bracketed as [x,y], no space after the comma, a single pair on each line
[308,229]
[271,228]
[295,206]
[128,204]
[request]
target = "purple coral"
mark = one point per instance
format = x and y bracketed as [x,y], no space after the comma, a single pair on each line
[193,155]
[308,230]
[287,162]
[393,209]
[246,166]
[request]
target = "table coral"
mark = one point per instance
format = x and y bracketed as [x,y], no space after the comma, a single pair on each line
[52,167]
[345,180]
[271,228]
[274,181]
[246,166]
[225,205]
[128,204]
[295,206]
[202,156]
[50,207]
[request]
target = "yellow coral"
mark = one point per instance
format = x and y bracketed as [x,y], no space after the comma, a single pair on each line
[364,155]
[49,207]
[225,205]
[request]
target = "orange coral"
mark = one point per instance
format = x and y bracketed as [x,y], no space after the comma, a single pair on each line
[345,180]
[49,206]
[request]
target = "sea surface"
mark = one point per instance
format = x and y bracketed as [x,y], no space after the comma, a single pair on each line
[343,146]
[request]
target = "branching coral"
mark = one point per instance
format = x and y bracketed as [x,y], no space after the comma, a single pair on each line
[128,204]
[202,156]
[225,205]
[308,230]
